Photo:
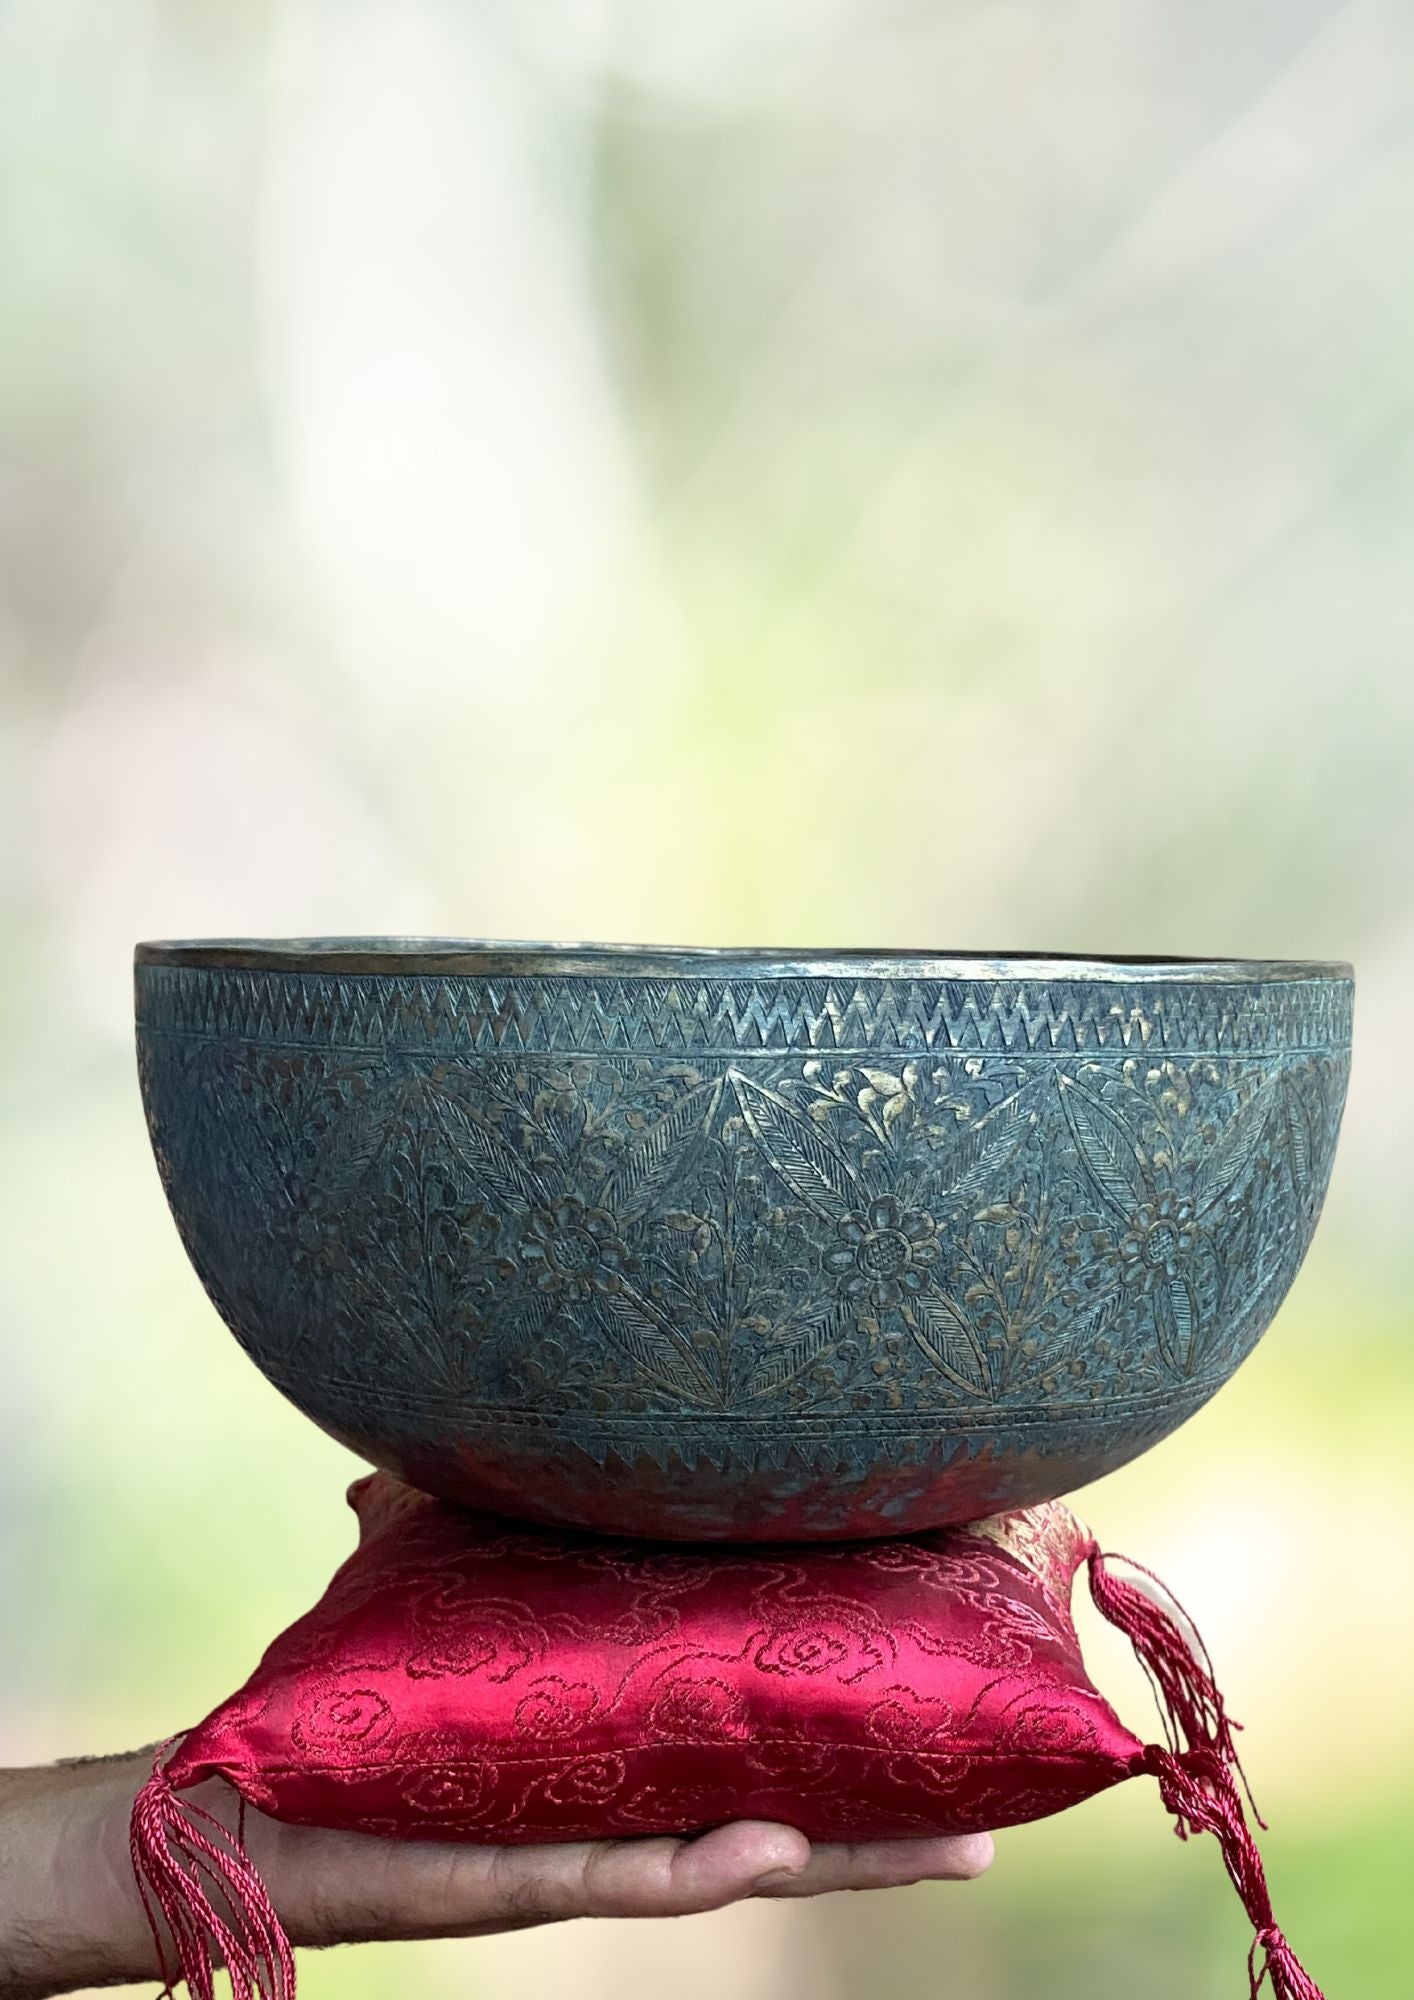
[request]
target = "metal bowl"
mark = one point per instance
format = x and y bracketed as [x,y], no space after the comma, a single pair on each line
[740,1244]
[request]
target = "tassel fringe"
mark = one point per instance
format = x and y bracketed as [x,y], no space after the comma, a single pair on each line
[1196,1771]
[195,1877]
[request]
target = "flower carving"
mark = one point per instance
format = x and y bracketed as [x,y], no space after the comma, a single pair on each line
[1161,1237]
[1166,1210]
[573,1249]
[884,1253]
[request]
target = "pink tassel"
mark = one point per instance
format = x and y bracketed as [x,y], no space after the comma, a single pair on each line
[1198,1790]
[1189,1698]
[1195,1772]
[213,1902]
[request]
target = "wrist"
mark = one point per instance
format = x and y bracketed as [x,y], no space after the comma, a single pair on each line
[70,1913]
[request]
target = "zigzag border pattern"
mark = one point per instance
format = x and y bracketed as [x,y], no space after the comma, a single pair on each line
[574,1015]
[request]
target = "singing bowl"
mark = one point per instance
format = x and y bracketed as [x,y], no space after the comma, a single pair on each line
[733,1245]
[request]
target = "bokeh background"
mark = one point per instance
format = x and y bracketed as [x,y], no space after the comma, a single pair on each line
[927,472]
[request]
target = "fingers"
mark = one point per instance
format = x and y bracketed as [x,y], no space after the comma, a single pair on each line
[642,1878]
[675,1878]
[888,1864]
[334,1887]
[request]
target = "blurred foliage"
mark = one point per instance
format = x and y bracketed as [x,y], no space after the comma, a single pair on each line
[925,473]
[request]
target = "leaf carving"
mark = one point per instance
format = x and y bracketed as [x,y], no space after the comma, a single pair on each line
[944,1333]
[1297,1132]
[1179,1325]
[1106,1149]
[500,1170]
[372,1124]
[655,1157]
[515,1327]
[971,1167]
[816,1174]
[785,1360]
[1221,1170]
[402,1119]
[657,1350]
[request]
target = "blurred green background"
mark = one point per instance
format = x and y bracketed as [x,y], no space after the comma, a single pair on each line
[927,472]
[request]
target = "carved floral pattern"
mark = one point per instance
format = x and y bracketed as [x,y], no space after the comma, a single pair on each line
[573,1249]
[885,1254]
[746,1235]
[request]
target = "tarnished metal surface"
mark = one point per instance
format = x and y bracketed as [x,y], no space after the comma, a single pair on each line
[730,1245]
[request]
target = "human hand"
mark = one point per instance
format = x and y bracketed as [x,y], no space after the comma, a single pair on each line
[70,1914]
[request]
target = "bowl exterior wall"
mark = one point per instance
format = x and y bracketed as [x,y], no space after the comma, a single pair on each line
[743,1257]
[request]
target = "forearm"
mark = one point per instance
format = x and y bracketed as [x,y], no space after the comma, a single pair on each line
[70,1915]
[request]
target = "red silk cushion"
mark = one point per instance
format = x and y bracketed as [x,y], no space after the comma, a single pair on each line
[466,1679]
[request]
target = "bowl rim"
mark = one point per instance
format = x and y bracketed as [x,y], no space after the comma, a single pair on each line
[399,957]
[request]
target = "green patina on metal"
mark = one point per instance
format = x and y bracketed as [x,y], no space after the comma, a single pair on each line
[741,1244]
